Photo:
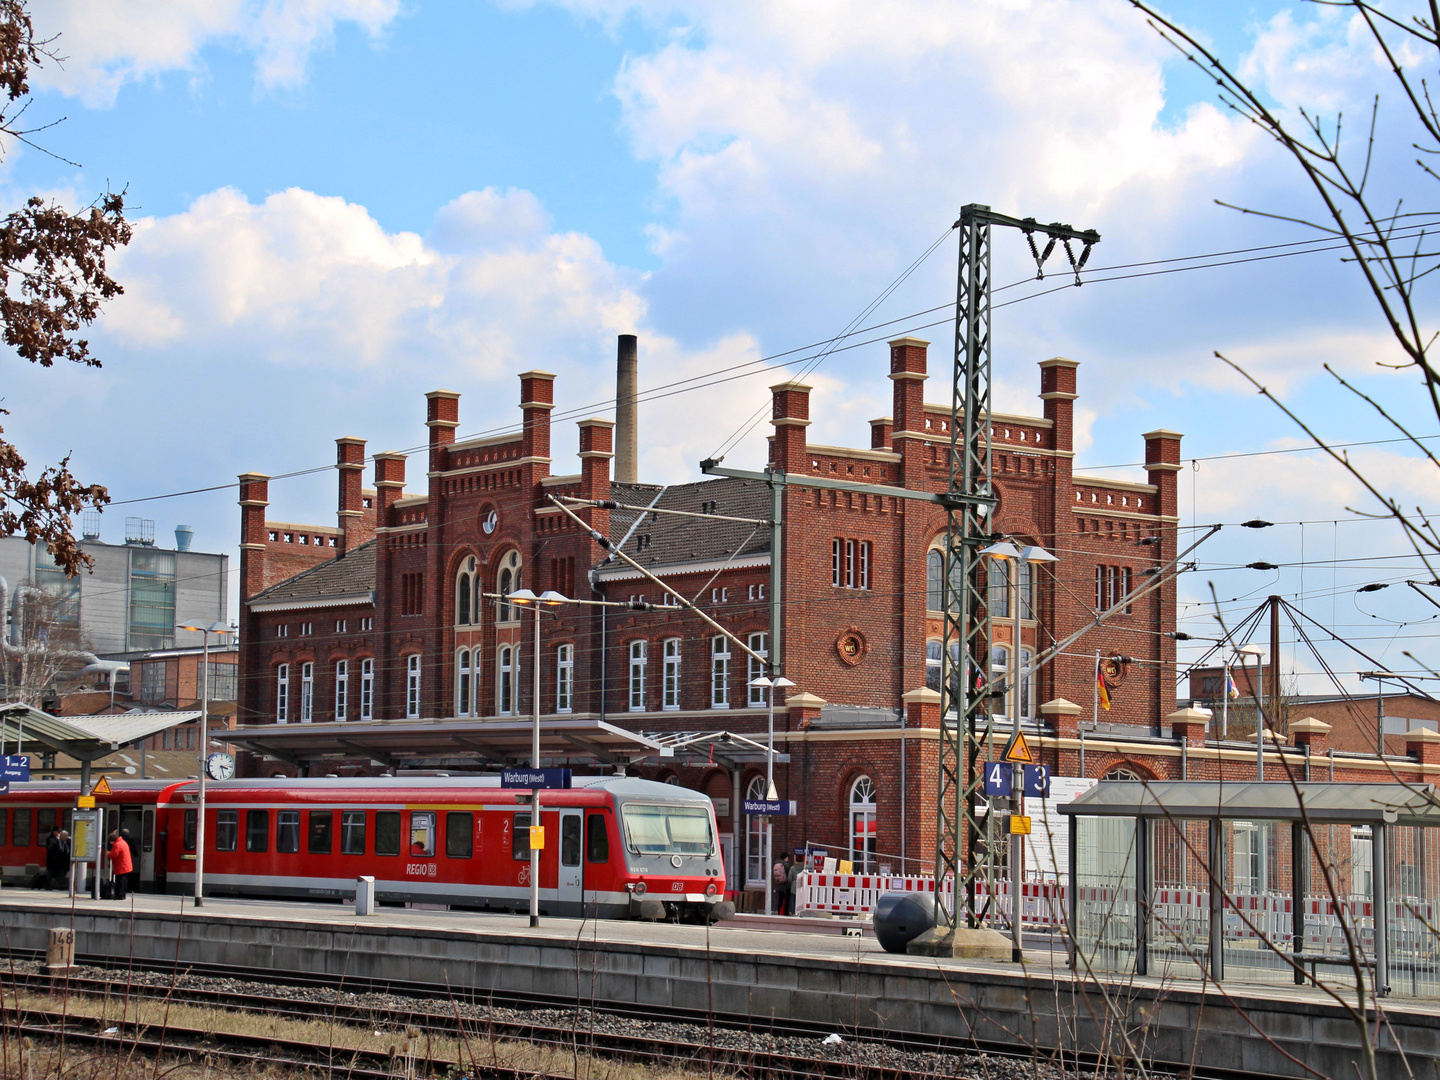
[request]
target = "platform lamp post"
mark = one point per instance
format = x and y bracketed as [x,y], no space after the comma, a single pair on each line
[1018,559]
[770,793]
[214,628]
[549,598]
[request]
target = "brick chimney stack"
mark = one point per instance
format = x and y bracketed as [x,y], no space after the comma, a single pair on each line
[537,398]
[350,514]
[442,417]
[790,414]
[254,498]
[1057,390]
[627,409]
[389,485]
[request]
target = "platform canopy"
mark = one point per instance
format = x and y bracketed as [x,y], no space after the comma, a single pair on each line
[84,738]
[1324,804]
[489,742]
[724,748]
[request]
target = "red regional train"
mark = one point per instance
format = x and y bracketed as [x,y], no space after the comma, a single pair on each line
[615,847]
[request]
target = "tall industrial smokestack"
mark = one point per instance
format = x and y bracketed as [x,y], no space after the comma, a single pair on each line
[627,378]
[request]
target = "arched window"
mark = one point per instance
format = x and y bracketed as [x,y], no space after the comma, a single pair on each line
[564,677]
[463,684]
[412,686]
[670,689]
[307,692]
[997,592]
[639,658]
[1121,772]
[464,592]
[761,644]
[505,681]
[507,582]
[342,688]
[934,577]
[282,693]
[719,672]
[864,825]
[755,836]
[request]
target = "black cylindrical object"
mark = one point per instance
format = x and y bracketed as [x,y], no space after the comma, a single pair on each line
[901,917]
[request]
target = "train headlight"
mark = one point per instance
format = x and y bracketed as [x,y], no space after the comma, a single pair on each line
[711,890]
[639,888]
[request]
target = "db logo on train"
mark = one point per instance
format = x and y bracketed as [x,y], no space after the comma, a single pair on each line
[420,869]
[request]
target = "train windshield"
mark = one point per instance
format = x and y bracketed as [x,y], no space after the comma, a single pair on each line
[667,830]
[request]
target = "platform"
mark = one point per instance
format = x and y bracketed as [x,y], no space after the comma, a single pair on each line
[743,972]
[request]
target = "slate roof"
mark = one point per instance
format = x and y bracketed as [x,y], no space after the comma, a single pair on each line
[349,576]
[662,540]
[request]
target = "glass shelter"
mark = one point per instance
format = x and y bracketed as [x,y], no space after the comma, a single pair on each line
[1258,882]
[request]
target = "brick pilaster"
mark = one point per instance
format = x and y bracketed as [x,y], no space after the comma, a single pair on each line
[355,525]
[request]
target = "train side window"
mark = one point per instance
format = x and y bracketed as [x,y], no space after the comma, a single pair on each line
[147,831]
[320,826]
[597,841]
[520,838]
[257,830]
[189,837]
[227,829]
[422,833]
[570,840]
[4,833]
[459,834]
[44,825]
[20,829]
[287,831]
[352,832]
[387,832]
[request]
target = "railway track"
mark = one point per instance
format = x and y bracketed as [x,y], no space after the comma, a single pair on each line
[581,1033]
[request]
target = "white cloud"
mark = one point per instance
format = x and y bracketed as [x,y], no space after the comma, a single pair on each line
[108,44]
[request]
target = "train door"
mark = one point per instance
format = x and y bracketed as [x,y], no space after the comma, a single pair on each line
[571,878]
[132,824]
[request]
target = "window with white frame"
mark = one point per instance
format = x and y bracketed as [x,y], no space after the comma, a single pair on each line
[934,661]
[638,661]
[507,582]
[757,592]
[719,596]
[463,683]
[755,836]
[342,688]
[367,689]
[1027,685]
[307,693]
[670,679]
[864,825]
[934,579]
[307,628]
[719,672]
[505,681]
[997,588]
[1249,857]
[564,678]
[282,693]
[412,686]
[341,625]
[367,623]
[760,642]
[1112,583]
[1000,676]
[849,563]
[464,592]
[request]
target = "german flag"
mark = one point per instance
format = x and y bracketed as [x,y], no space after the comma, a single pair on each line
[1102,685]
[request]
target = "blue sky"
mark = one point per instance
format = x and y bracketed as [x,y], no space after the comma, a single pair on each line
[343,204]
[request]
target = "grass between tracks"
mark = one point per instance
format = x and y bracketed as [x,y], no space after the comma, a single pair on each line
[405,1047]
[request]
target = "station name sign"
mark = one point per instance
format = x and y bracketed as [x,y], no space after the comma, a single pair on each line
[771,807]
[530,779]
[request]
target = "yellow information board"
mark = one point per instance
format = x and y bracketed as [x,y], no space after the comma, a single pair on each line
[86,802]
[85,835]
[537,837]
[1019,825]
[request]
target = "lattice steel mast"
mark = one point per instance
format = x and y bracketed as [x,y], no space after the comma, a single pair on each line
[967,735]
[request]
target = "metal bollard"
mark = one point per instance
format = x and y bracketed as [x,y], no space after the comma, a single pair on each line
[60,951]
[364,896]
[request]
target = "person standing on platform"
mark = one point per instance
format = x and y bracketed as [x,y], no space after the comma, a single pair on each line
[121,865]
[781,875]
[791,873]
[57,859]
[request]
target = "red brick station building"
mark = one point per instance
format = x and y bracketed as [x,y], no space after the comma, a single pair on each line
[381,624]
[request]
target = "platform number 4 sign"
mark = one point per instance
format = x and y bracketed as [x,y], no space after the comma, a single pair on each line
[997,780]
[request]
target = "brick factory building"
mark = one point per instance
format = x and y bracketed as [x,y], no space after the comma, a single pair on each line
[383,616]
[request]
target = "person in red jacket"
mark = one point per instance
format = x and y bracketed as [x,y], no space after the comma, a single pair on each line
[121,865]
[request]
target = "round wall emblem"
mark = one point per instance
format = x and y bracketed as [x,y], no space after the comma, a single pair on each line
[488,520]
[851,646]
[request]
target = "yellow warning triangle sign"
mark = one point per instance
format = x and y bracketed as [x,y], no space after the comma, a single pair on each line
[103,787]
[1018,750]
